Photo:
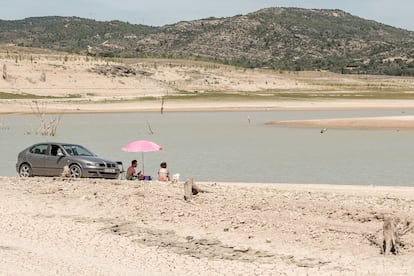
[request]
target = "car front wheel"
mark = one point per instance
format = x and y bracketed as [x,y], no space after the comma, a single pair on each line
[25,170]
[75,171]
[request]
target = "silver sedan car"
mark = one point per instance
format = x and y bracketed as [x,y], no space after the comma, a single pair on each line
[49,159]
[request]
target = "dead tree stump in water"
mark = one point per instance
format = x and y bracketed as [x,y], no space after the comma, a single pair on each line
[389,244]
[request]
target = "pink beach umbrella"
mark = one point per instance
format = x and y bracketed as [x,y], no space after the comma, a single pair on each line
[142,146]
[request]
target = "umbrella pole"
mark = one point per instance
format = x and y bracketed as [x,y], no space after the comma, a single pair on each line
[142,157]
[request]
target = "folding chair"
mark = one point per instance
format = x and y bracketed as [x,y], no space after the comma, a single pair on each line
[122,172]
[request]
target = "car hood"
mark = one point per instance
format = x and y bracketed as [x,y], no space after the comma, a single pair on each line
[92,159]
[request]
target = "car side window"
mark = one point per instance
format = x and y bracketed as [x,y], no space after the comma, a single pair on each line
[55,150]
[39,149]
[69,150]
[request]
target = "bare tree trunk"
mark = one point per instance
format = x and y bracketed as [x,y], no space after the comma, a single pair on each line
[162,105]
[43,77]
[149,128]
[190,189]
[4,72]
[389,236]
[188,185]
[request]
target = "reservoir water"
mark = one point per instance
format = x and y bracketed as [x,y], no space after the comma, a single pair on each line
[232,146]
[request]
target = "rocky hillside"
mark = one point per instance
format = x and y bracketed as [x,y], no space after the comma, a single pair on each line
[278,38]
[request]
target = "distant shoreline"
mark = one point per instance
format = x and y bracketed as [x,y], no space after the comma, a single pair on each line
[402,122]
[71,107]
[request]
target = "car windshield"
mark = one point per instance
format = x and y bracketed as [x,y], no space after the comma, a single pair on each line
[77,150]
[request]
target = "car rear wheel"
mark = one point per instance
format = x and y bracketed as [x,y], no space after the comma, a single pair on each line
[75,171]
[25,170]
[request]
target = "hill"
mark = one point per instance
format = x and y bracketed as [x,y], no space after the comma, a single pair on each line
[291,39]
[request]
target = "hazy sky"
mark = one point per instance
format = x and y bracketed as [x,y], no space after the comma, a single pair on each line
[398,13]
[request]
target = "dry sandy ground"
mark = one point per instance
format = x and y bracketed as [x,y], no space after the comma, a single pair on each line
[88,84]
[54,226]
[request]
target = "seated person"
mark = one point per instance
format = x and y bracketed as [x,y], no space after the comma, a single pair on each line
[163,173]
[131,172]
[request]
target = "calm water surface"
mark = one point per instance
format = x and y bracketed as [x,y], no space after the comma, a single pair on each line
[233,146]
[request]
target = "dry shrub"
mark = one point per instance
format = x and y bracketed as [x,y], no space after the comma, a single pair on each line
[48,126]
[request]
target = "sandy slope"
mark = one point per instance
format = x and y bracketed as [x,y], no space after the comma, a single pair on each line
[97,227]
[82,86]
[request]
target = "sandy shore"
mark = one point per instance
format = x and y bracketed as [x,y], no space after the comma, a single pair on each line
[89,106]
[391,122]
[402,122]
[53,226]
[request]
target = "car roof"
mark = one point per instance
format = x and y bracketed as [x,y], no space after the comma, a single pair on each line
[58,143]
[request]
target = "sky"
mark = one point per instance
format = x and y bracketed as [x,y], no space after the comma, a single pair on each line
[397,13]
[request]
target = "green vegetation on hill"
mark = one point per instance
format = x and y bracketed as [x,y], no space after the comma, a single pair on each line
[278,38]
